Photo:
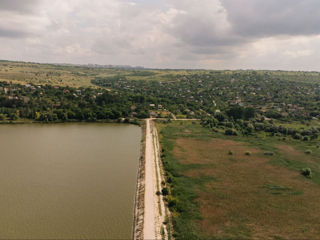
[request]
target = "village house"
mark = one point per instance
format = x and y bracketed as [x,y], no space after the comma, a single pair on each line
[153,115]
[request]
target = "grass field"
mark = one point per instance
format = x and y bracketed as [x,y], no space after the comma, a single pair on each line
[75,76]
[81,76]
[233,188]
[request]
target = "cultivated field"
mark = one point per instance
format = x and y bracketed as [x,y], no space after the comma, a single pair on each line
[240,188]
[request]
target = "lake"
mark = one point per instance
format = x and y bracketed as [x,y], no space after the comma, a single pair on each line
[68,181]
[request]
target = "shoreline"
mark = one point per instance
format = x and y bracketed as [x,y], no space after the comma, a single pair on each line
[138,217]
[139,122]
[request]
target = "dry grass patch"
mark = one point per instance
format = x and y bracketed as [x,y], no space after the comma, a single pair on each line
[292,153]
[250,198]
[192,151]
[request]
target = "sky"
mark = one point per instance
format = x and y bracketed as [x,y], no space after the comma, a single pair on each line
[209,34]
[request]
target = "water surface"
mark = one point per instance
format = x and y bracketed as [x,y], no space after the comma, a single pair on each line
[68,181]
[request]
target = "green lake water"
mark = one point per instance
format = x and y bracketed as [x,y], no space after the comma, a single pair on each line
[68,181]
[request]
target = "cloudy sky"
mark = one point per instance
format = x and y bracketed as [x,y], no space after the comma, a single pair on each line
[213,34]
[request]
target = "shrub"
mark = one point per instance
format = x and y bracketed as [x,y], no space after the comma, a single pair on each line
[231,132]
[165,191]
[13,116]
[269,153]
[2,117]
[248,153]
[158,193]
[172,203]
[306,172]
[308,151]
[230,152]
[297,136]
[305,138]
[229,125]
[215,130]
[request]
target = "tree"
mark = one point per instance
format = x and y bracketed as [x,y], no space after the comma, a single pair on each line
[13,116]
[306,172]
[2,117]
[165,191]
[235,112]
[249,113]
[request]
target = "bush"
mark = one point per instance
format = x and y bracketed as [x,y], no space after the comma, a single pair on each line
[248,153]
[230,152]
[306,172]
[231,132]
[165,191]
[297,136]
[215,130]
[13,116]
[229,125]
[306,138]
[172,203]
[2,117]
[269,153]
[308,151]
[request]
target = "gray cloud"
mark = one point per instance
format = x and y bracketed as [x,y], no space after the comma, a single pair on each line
[9,33]
[263,18]
[163,33]
[222,29]
[16,18]
[26,6]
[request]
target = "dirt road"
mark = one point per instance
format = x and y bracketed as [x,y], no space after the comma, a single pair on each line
[154,208]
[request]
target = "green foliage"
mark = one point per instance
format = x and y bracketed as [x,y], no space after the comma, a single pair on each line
[2,117]
[172,203]
[269,153]
[231,132]
[61,104]
[273,114]
[307,172]
[165,191]
[237,112]
[13,116]
[308,151]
